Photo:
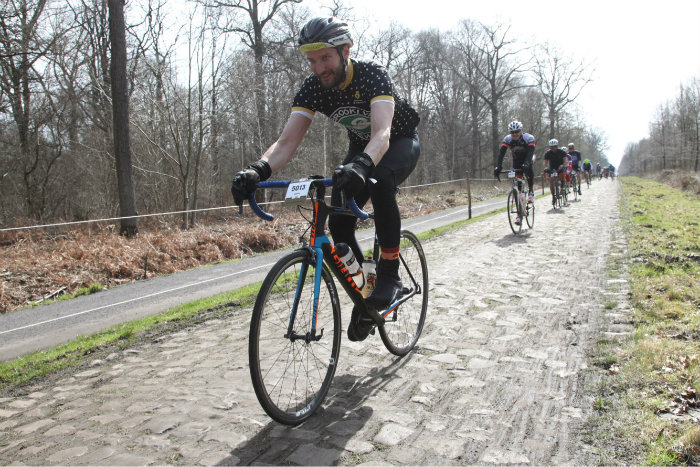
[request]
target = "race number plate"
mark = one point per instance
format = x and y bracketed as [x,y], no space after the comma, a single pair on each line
[298,189]
[511,174]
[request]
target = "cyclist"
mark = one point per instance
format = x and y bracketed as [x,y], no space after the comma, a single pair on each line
[598,171]
[522,147]
[587,169]
[611,169]
[556,161]
[384,145]
[575,158]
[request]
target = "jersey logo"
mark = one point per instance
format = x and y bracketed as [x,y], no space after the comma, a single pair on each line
[354,119]
[357,94]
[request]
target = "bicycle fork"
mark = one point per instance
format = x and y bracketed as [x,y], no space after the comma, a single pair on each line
[310,335]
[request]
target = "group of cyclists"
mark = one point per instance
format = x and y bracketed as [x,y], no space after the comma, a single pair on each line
[563,164]
[383,147]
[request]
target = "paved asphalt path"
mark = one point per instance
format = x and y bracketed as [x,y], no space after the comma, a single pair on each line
[43,327]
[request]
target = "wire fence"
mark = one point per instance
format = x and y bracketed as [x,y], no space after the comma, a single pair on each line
[424,186]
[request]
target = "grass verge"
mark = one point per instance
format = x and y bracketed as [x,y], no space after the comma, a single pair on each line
[648,404]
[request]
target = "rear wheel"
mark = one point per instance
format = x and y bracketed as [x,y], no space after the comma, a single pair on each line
[564,194]
[513,206]
[404,324]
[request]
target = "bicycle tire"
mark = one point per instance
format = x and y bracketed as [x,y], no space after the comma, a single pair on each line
[404,325]
[530,214]
[574,183]
[564,195]
[514,211]
[291,377]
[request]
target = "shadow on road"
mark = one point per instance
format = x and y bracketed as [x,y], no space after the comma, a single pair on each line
[334,424]
[511,239]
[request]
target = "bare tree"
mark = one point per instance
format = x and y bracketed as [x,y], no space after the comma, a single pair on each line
[560,80]
[24,42]
[120,115]
[498,63]
[259,14]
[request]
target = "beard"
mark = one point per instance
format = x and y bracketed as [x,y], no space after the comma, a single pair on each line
[334,78]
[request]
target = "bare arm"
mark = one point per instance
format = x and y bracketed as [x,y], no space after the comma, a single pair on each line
[282,151]
[382,114]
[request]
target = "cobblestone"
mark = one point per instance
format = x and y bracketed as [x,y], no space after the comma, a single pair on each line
[498,376]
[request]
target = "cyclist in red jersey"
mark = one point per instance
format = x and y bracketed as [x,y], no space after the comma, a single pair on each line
[384,145]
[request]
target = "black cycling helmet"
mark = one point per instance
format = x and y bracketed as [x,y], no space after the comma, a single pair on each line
[321,33]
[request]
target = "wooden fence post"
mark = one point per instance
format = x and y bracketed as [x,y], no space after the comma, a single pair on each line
[469,194]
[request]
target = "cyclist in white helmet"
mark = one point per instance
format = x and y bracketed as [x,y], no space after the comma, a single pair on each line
[556,162]
[384,145]
[522,147]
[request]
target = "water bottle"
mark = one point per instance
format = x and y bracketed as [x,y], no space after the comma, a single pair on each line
[348,258]
[369,266]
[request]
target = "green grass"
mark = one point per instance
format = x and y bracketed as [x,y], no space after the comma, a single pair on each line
[658,371]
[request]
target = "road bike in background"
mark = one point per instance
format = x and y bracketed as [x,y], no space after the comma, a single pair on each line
[517,205]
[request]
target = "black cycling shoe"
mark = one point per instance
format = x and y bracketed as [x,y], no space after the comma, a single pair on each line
[360,325]
[387,287]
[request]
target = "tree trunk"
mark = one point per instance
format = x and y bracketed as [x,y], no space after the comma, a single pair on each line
[120,118]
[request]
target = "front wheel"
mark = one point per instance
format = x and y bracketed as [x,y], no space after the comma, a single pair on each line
[530,214]
[404,324]
[513,206]
[293,349]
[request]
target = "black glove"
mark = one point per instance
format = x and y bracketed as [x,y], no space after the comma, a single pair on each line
[525,167]
[246,181]
[496,172]
[351,177]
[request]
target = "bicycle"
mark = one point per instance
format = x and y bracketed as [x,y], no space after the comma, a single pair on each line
[555,187]
[587,174]
[295,329]
[574,183]
[517,205]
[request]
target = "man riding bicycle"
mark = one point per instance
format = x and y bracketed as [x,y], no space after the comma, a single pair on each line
[556,161]
[384,145]
[575,158]
[522,147]
[587,169]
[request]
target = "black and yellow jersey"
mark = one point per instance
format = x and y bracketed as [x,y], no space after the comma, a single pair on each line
[365,84]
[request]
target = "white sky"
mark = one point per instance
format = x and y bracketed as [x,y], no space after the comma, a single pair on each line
[641,51]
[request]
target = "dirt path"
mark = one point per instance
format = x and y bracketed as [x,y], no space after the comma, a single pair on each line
[499,375]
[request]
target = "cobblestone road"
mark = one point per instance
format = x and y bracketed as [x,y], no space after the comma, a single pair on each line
[499,375]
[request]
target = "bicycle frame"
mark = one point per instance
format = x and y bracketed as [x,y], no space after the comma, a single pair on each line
[322,250]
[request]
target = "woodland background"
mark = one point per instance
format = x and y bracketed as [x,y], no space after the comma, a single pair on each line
[207,95]
[207,86]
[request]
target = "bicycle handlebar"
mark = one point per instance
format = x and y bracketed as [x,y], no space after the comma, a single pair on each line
[351,204]
[505,171]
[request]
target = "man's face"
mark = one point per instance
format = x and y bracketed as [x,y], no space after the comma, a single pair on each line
[328,66]
[516,134]
[571,149]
